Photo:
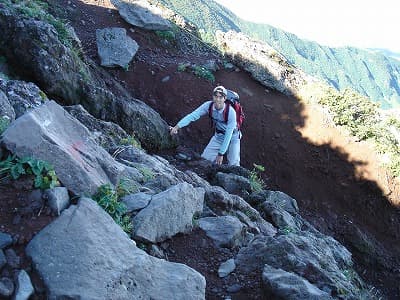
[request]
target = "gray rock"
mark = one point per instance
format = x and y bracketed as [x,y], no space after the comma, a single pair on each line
[316,257]
[107,134]
[223,203]
[279,284]
[263,62]
[226,268]
[24,287]
[232,183]
[136,201]
[57,199]
[50,129]
[211,65]
[168,213]
[225,231]
[281,218]
[3,259]
[114,47]
[156,252]
[153,164]
[234,288]
[22,96]
[13,260]
[6,109]
[84,254]
[5,240]
[142,14]
[281,200]
[6,287]
[166,79]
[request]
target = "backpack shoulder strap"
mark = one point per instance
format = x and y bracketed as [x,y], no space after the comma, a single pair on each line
[226,111]
[210,107]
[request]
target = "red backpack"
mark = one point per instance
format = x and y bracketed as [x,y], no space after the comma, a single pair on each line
[232,98]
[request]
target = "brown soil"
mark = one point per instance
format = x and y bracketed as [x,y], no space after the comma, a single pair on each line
[336,180]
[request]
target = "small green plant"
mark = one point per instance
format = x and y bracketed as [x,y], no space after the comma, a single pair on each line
[15,167]
[39,10]
[195,219]
[183,67]
[130,141]
[147,173]
[257,184]
[4,76]
[168,35]
[286,230]
[251,214]
[202,72]
[142,246]
[107,197]
[4,122]
[125,187]
[43,96]
[199,71]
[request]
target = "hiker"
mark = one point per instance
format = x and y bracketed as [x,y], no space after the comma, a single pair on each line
[226,138]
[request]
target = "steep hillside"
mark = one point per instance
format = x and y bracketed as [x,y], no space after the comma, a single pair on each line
[334,178]
[369,73]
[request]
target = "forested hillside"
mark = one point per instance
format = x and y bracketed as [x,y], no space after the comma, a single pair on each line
[368,72]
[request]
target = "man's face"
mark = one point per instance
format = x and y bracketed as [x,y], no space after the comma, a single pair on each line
[219,100]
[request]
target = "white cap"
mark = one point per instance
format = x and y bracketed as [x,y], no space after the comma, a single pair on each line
[220,89]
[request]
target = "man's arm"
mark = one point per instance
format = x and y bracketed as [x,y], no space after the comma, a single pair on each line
[193,116]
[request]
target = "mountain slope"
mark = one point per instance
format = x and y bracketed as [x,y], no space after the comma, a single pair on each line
[369,73]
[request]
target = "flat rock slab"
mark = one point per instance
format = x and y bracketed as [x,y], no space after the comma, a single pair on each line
[142,14]
[115,48]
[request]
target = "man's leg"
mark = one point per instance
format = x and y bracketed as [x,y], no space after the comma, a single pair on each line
[233,154]
[211,151]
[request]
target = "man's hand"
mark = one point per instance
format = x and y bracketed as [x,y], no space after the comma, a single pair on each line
[173,130]
[219,159]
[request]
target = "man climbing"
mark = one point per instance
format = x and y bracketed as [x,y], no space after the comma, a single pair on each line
[226,138]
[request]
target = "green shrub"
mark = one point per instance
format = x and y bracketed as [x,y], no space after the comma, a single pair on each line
[130,141]
[202,72]
[183,67]
[108,198]
[362,118]
[39,10]
[168,35]
[147,173]
[14,167]
[257,184]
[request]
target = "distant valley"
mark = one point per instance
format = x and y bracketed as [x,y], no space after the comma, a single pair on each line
[374,73]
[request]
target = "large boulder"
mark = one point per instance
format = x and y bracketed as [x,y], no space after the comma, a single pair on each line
[279,284]
[22,96]
[142,14]
[225,231]
[84,254]
[318,258]
[263,62]
[223,203]
[169,213]
[50,133]
[115,48]
[40,53]
[107,134]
